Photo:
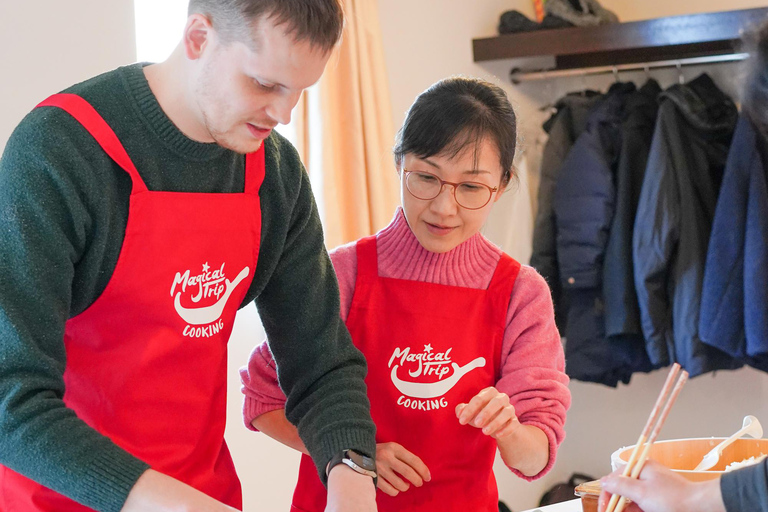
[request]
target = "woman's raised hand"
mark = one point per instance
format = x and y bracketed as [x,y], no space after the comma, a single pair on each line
[490,411]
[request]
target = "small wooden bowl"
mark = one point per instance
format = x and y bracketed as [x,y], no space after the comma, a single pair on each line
[682,455]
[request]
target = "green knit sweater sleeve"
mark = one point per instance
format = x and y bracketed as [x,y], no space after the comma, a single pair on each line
[44,224]
[319,368]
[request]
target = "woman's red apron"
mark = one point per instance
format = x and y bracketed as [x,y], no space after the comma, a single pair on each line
[429,347]
[146,362]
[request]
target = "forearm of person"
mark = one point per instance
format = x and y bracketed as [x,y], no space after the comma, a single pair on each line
[526,449]
[44,230]
[276,425]
[320,370]
[157,492]
[533,373]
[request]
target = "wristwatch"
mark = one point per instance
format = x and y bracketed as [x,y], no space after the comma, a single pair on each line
[355,460]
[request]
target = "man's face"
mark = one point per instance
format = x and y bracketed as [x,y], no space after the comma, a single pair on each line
[243,90]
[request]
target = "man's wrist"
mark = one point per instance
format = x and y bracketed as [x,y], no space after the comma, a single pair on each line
[707,497]
[355,461]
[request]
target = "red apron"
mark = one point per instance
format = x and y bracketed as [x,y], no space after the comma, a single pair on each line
[429,347]
[147,361]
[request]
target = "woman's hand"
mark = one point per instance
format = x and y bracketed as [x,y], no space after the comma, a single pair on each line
[490,411]
[396,467]
[522,447]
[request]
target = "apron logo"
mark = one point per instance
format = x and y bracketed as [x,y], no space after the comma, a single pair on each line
[204,321]
[428,395]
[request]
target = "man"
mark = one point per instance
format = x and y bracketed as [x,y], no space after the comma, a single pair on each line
[139,210]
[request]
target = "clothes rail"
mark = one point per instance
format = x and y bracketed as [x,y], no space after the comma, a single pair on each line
[517,75]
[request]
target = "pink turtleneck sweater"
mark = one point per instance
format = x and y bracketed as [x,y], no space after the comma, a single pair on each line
[532,361]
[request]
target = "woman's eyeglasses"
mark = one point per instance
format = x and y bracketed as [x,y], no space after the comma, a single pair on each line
[468,194]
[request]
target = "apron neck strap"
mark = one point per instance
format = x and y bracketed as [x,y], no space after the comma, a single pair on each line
[94,124]
[505,275]
[367,260]
[254,170]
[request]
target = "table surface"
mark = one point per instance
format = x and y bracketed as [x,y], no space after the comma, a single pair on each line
[566,506]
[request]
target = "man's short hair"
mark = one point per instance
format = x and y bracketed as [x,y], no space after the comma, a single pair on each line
[319,22]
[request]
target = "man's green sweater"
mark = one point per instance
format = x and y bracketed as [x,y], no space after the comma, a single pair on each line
[63,213]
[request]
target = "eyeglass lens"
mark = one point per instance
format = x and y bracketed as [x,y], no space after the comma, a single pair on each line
[470,195]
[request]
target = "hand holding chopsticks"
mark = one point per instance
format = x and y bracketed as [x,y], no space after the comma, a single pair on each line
[672,387]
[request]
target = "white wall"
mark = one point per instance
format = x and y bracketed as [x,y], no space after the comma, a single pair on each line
[48,45]
[427,40]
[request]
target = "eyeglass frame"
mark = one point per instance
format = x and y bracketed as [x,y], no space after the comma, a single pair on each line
[443,183]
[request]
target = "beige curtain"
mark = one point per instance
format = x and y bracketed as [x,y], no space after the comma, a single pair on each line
[350,146]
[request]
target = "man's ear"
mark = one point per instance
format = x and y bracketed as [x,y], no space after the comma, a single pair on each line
[197,32]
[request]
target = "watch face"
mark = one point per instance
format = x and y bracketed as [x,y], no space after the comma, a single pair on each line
[361,460]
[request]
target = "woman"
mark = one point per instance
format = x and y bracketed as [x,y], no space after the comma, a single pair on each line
[464,357]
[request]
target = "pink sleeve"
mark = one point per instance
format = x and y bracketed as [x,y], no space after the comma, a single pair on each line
[259,385]
[344,259]
[533,363]
[259,379]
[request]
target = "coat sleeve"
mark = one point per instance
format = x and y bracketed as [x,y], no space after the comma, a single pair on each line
[544,255]
[746,489]
[655,239]
[721,318]
[533,364]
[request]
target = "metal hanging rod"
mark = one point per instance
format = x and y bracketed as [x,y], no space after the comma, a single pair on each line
[517,75]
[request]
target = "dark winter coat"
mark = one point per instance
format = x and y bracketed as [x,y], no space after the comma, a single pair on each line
[564,127]
[622,313]
[674,218]
[584,210]
[733,316]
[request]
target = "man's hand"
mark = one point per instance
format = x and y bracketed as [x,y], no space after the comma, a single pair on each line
[660,490]
[349,491]
[156,492]
[397,466]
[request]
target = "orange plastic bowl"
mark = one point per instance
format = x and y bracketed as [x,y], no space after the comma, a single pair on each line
[682,455]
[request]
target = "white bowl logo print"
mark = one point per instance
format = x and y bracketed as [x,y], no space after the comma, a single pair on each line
[211,285]
[429,363]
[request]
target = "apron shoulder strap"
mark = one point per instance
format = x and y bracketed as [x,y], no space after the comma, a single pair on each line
[367,259]
[86,115]
[505,275]
[255,169]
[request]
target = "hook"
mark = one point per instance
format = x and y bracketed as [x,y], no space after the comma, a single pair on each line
[615,74]
[584,83]
[680,76]
[647,69]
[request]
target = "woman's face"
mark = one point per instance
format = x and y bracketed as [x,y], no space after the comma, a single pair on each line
[440,224]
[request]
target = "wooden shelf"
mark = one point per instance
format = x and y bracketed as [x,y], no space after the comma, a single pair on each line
[675,37]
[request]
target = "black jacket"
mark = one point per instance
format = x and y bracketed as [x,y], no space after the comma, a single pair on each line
[674,218]
[584,210]
[622,313]
[564,127]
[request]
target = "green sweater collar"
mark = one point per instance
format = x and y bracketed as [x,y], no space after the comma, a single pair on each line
[158,121]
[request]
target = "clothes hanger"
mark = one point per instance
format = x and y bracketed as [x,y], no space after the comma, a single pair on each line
[680,76]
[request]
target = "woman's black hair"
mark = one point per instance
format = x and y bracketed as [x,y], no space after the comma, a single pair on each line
[455,113]
[755,93]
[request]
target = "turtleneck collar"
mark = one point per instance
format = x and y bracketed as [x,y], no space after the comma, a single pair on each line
[400,256]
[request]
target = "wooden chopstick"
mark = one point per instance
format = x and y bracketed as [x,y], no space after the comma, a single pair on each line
[672,387]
